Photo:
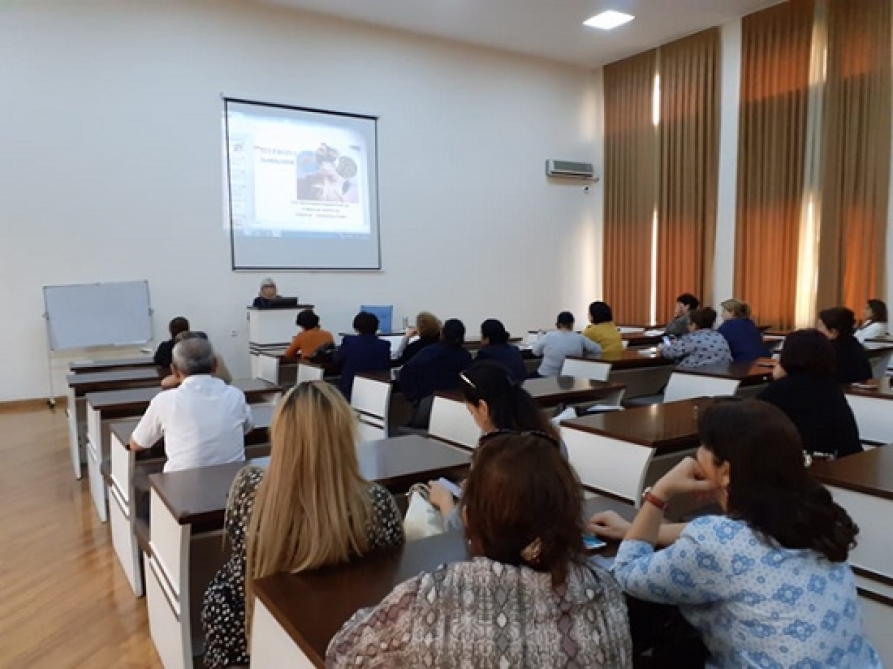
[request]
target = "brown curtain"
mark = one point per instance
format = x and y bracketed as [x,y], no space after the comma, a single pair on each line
[688,169]
[629,186]
[775,57]
[856,152]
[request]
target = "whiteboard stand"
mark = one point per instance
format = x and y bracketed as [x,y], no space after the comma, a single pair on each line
[93,315]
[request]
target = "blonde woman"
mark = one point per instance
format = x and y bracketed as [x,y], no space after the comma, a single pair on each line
[312,507]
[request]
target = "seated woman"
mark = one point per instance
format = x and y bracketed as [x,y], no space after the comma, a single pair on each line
[767,584]
[875,321]
[745,340]
[495,346]
[701,346]
[266,293]
[310,338]
[837,324]
[498,405]
[602,330]
[363,352]
[310,508]
[806,390]
[556,345]
[435,368]
[528,598]
[427,328]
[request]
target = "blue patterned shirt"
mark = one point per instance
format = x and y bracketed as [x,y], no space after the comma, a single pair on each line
[755,605]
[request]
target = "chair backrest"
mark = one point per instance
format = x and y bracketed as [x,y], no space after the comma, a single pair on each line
[608,465]
[595,370]
[879,365]
[684,386]
[385,314]
[371,399]
[309,372]
[451,422]
[874,417]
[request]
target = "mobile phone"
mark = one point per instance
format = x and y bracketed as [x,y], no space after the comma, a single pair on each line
[592,543]
[452,487]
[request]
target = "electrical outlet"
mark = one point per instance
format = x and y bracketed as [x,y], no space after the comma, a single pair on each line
[234,333]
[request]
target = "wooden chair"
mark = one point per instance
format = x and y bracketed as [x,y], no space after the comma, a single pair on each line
[683,386]
[307,371]
[450,421]
[370,398]
[606,465]
[595,370]
[874,417]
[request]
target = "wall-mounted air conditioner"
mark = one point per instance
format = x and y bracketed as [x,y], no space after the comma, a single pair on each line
[567,169]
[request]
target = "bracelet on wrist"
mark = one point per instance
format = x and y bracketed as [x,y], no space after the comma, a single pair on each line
[654,500]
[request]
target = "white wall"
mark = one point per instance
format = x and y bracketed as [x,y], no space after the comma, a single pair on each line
[112,167]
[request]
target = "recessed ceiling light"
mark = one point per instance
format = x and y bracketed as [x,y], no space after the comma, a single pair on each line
[608,20]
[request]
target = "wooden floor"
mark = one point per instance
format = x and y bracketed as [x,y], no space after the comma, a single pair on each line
[64,601]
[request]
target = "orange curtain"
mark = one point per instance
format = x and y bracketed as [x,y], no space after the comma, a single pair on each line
[856,152]
[630,147]
[688,168]
[775,57]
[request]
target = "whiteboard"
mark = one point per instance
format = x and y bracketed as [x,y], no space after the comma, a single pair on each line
[98,314]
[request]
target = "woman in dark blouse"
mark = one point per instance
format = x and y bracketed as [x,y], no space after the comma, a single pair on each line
[495,346]
[838,325]
[806,390]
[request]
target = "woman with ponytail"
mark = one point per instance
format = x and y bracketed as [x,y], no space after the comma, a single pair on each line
[767,583]
[499,405]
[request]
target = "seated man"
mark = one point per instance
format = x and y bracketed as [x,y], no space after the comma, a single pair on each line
[165,349]
[685,304]
[221,371]
[203,421]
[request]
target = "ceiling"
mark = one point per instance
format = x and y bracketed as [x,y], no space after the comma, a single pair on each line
[548,28]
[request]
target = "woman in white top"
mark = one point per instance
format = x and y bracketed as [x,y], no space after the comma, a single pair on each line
[874,323]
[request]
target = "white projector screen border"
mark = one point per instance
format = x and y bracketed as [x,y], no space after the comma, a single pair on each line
[302,187]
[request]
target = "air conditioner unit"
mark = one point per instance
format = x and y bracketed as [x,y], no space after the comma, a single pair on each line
[567,169]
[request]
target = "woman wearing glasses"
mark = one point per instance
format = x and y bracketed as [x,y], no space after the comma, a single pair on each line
[497,404]
[528,598]
[312,507]
[767,583]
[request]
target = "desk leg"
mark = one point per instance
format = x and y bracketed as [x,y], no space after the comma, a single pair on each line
[168,612]
[74,441]
[271,646]
[94,463]
[122,515]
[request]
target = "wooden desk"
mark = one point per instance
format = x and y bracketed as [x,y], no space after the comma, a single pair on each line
[122,493]
[622,452]
[863,485]
[102,407]
[748,373]
[86,366]
[187,512]
[643,371]
[94,381]
[553,390]
[296,615]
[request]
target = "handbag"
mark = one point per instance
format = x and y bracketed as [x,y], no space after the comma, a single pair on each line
[422,519]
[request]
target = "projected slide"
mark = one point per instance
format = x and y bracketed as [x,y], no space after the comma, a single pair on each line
[302,188]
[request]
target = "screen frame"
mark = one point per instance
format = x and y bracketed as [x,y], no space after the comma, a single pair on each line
[375,211]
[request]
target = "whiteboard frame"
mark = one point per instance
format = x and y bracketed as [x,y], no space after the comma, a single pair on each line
[96,344]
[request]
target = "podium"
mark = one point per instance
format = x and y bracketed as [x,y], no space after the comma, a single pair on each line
[270,332]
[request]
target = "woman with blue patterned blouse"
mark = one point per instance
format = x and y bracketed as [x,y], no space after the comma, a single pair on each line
[767,584]
[701,346]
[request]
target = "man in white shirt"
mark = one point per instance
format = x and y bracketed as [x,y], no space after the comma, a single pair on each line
[555,346]
[203,420]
